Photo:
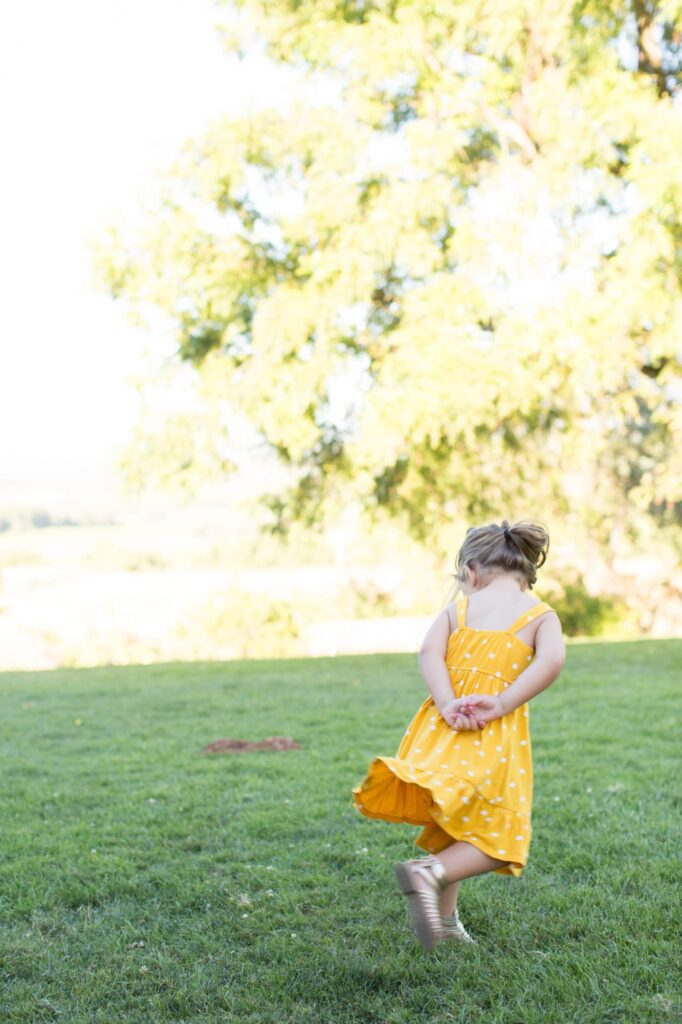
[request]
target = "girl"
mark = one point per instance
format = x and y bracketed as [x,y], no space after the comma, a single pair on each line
[464,767]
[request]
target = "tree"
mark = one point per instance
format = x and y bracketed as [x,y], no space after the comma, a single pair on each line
[472,246]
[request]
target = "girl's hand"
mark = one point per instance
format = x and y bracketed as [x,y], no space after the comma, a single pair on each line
[460,720]
[484,707]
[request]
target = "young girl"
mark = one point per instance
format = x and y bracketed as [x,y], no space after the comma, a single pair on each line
[464,766]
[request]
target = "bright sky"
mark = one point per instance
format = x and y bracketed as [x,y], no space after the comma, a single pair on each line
[96,94]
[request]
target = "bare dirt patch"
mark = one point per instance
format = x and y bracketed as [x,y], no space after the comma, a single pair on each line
[230,746]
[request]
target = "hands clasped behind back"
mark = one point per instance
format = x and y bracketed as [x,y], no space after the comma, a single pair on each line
[465,714]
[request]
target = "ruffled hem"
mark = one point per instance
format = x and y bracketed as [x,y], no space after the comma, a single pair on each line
[450,807]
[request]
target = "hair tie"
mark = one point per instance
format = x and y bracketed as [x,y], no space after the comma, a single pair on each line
[507,534]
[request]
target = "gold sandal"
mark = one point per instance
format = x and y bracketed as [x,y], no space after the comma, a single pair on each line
[424,902]
[454,929]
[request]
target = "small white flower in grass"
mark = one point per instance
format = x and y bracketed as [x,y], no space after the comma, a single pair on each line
[151,800]
[363,849]
[589,789]
[270,867]
[293,935]
[557,798]
[145,970]
[245,915]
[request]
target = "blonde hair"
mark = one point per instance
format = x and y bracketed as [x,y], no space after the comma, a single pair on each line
[519,549]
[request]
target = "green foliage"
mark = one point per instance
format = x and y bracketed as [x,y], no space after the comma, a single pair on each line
[470,215]
[585,614]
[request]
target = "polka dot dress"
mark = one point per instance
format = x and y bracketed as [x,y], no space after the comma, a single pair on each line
[476,786]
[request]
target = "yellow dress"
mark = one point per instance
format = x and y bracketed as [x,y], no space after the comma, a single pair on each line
[474,786]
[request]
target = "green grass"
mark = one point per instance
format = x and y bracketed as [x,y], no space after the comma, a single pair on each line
[143,882]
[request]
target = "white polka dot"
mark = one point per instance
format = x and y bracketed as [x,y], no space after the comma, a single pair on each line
[487,771]
[491,655]
[518,837]
[512,785]
[508,644]
[485,642]
[528,658]
[473,668]
[494,834]
[522,771]
[501,851]
[503,760]
[481,753]
[464,818]
[464,762]
[470,773]
[524,743]
[497,674]
[465,800]
[417,750]
[432,727]
[467,655]
[443,766]
[477,743]
[498,748]
[515,665]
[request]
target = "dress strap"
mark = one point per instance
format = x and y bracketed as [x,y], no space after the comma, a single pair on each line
[528,616]
[462,602]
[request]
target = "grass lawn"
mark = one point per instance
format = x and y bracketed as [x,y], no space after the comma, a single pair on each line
[143,882]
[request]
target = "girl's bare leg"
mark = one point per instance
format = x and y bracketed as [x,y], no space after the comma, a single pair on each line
[462,860]
[448,899]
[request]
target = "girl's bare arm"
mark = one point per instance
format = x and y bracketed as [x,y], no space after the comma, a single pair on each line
[550,655]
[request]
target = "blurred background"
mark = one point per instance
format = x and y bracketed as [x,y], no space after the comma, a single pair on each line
[297,292]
